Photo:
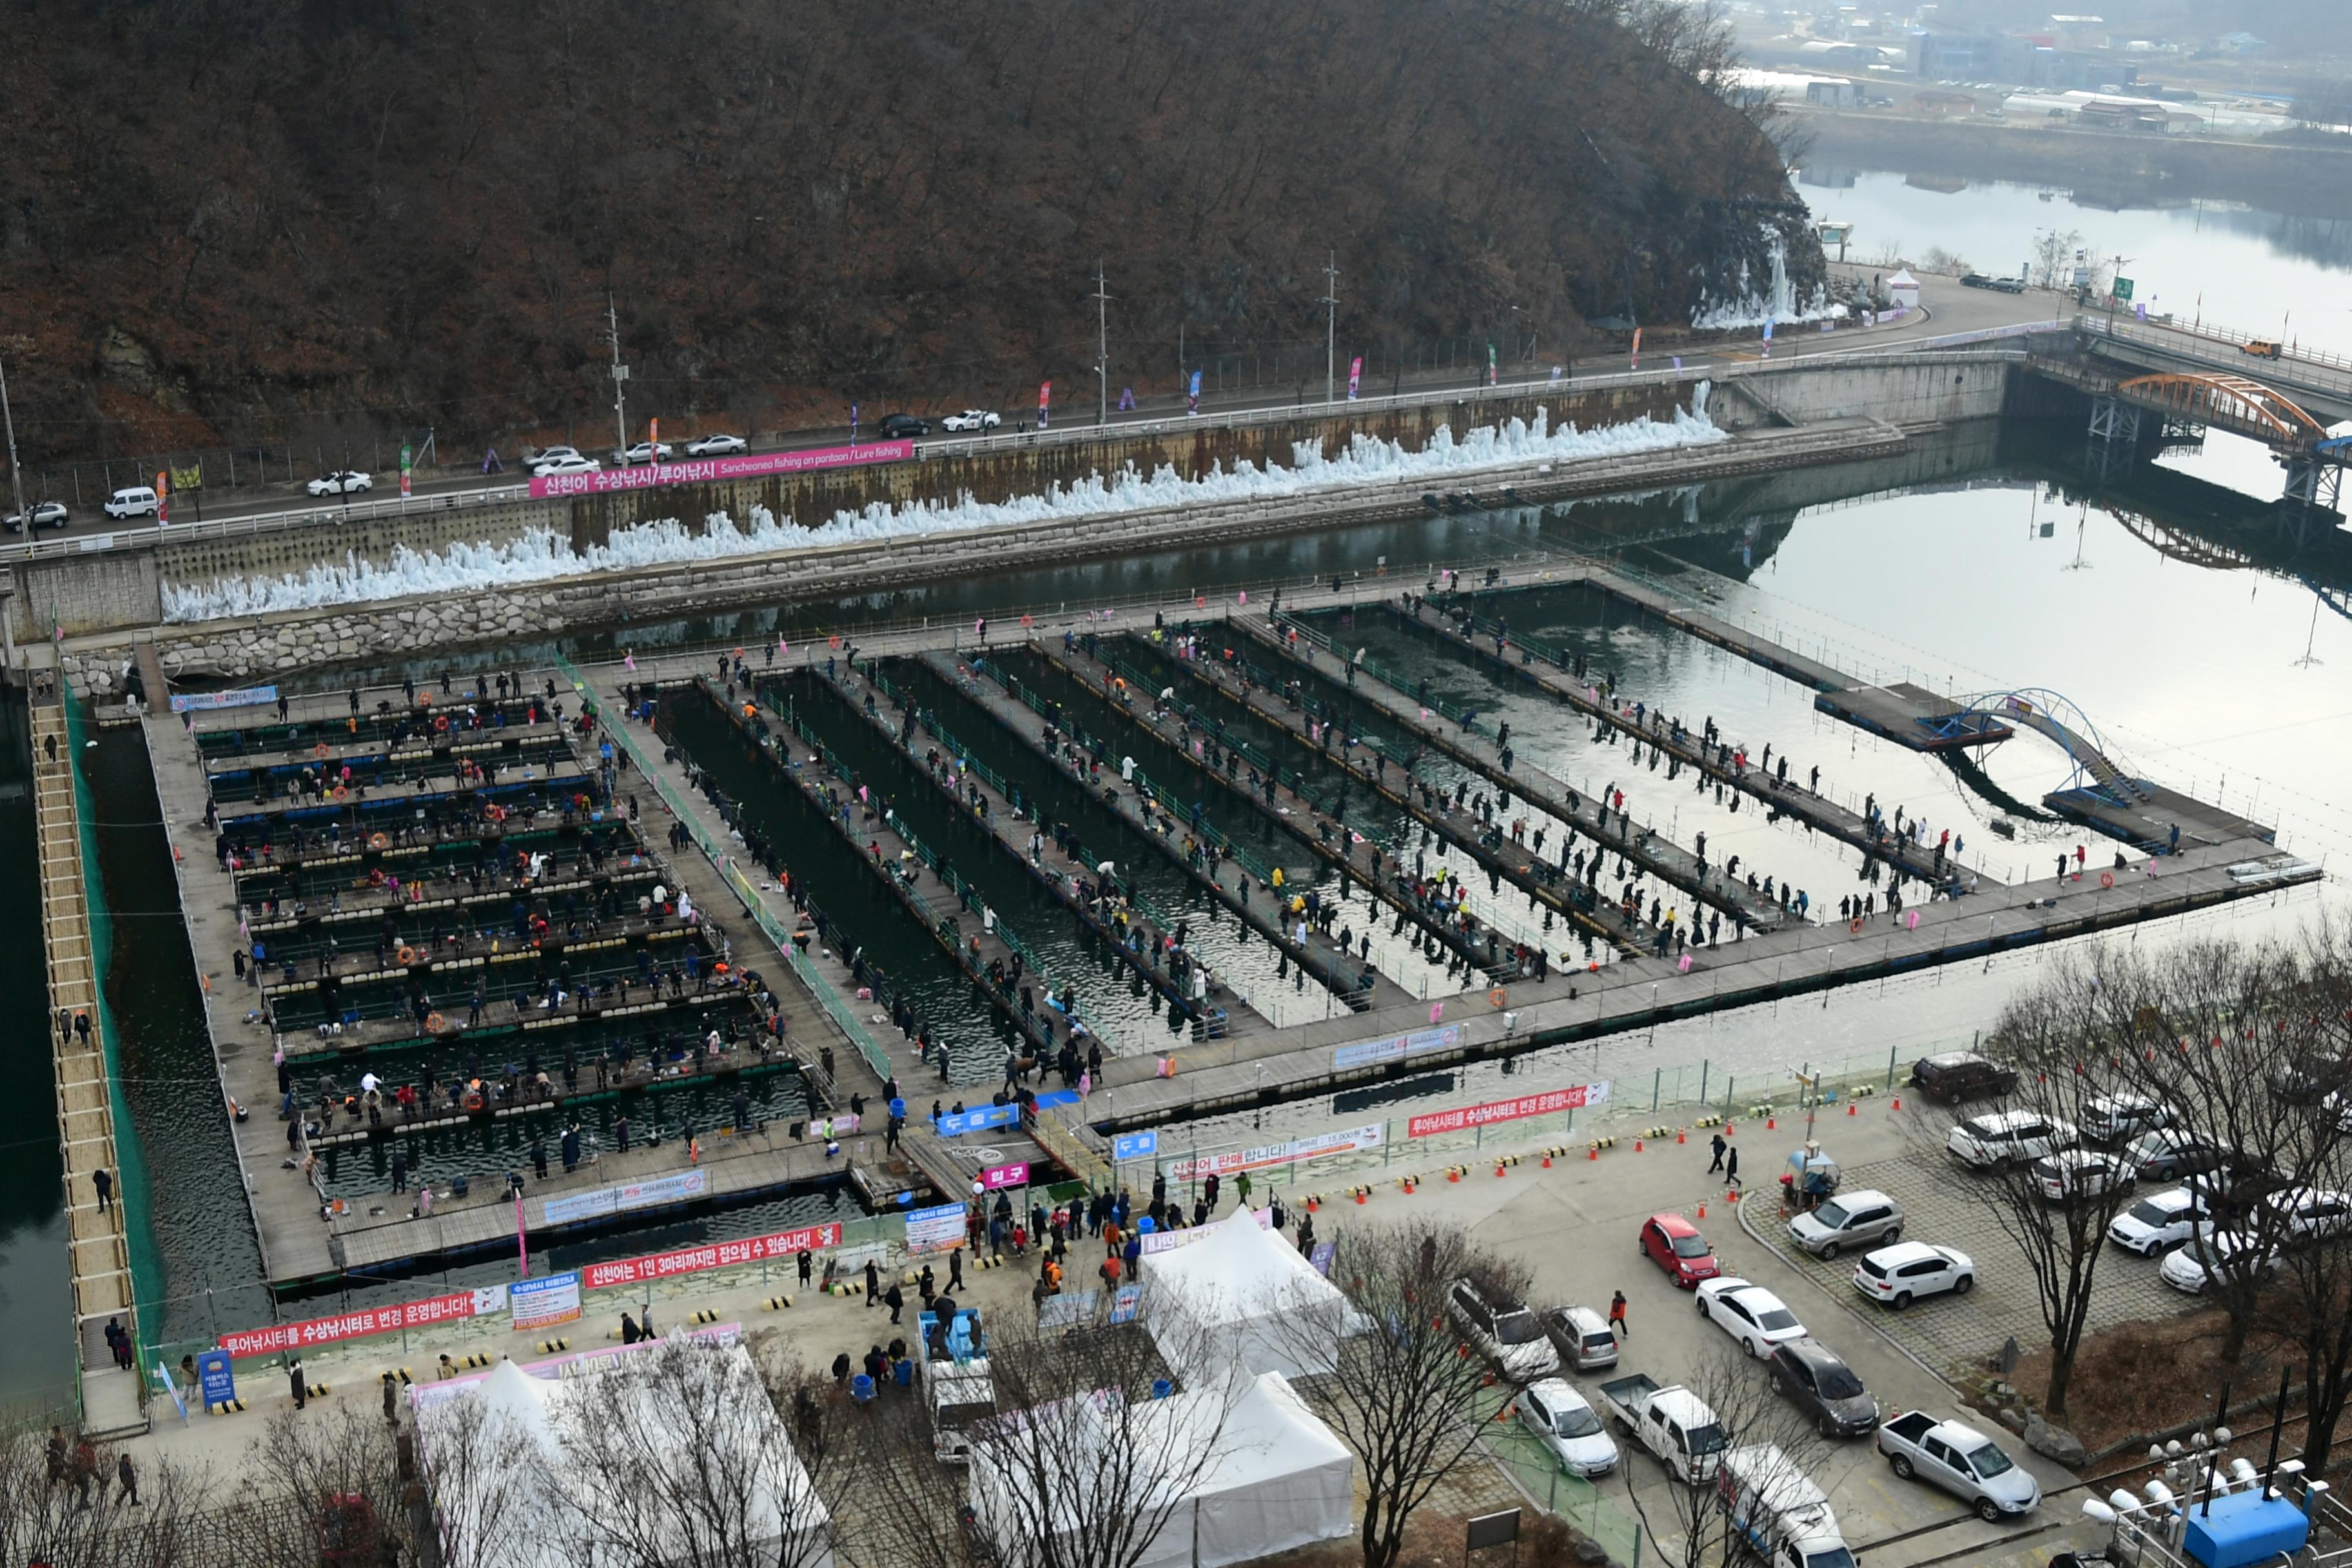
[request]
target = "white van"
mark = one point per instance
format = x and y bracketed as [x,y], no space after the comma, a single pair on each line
[960,1397]
[1776,1507]
[133,501]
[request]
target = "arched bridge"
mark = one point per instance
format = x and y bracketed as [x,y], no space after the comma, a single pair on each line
[2062,720]
[2234,402]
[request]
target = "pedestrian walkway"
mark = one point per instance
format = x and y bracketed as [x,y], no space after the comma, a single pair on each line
[97,1230]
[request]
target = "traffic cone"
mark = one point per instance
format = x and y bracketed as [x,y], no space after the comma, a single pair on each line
[1593,1152]
[1702,1208]
[1729,1130]
[1731,1194]
[1637,1145]
[1848,1108]
[1360,1197]
[1546,1159]
[1453,1173]
[1681,1136]
[1897,1105]
[1771,1123]
[1498,1169]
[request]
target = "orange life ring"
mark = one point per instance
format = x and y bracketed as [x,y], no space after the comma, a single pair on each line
[1200,602]
[320,749]
[833,642]
[1854,925]
[2106,879]
[434,1024]
[1027,621]
[408,955]
[474,1100]
[1496,996]
[378,841]
[442,724]
[342,794]
[425,698]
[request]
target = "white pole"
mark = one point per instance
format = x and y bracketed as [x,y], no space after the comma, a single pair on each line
[1331,302]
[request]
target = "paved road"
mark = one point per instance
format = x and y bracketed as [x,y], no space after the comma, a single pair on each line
[1951,309]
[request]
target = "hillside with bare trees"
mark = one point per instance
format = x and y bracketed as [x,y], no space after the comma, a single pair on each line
[250,221]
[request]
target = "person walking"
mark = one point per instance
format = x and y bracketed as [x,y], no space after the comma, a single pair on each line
[808,1265]
[896,1300]
[301,1389]
[103,1181]
[873,1284]
[1617,1317]
[1731,1169]
[126,1479]
[1720,1146]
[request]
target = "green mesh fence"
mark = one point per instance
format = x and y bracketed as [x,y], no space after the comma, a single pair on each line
[131,1182]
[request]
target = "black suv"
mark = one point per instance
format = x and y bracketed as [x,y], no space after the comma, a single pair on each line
[1810,1373]
[898,427]
[1960,1075]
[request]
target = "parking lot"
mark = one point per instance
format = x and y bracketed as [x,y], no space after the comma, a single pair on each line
[1574,1226]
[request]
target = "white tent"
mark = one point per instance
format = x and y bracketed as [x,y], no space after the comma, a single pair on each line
[1904,290]
[1275,1477]
[544,1509]
[1241,1294]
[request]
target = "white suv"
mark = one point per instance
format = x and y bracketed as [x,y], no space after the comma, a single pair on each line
[1894,1275]
[2005,1137]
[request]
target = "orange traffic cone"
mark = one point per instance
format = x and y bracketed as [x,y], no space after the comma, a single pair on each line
[1730,1129]
[1702,1208]
[1681,1136]
[1898,1103]
[1593,1152]
[1360,1197]
[1731,1194]
[1849,1107]
[1452,1174]
[1547,1162]
[1498,1169]
[1637,1145]
[1771,1123]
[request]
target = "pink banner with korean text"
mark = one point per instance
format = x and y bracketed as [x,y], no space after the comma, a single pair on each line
[704,470]
[1549,1103]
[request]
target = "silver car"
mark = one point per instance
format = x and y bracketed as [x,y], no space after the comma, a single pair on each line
[1865,1218]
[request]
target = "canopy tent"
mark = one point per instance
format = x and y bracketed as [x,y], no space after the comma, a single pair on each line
[1274,1477]
[1242,1295]
[524,1449]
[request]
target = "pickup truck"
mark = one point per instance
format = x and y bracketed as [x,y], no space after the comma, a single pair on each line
[1674,1424]
[1960,1459]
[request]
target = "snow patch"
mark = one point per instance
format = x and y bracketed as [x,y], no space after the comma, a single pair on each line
[543,555]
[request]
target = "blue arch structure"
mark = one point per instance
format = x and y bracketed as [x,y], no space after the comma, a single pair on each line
[2058,717]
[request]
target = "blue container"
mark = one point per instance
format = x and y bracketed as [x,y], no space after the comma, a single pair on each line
[2245,1528]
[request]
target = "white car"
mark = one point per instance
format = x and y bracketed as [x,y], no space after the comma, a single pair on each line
[341,484]
[644,452]
[1750,1313]
[2158,1221]
[972,419]
[2003,1137]
[2113,1118]
[570,463]
[2312,1213]
[1506,1333]
[716,446]
[1564,1422]
[1897,1275]
[2080,1173]
[44,514]
[2199,1263]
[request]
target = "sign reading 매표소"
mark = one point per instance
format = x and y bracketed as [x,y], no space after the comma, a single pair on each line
[545,1302]
[1234,1160]
[1550,1102]
[749,466]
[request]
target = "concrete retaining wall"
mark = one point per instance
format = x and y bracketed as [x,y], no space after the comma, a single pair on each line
[1942,388]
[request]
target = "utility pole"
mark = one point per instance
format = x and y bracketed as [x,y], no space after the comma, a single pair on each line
[1102,348]
[620,375]
[15,475]
[1331,304]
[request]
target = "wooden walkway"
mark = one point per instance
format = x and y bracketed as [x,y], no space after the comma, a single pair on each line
[97,1241]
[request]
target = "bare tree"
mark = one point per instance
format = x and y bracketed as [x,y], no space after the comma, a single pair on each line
[313,1476]
[1404,1388]
[487,1477]
[2055,1209]
[64,1507]
[678,1456]
[1083,1467]
[1695,1528]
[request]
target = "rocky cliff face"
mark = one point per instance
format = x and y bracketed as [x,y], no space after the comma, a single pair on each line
[223,222]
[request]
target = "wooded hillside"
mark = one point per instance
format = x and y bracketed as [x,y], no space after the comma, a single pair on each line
[247,220]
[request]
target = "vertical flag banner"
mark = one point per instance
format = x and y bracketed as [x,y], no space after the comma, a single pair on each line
[407,466]
[1494,371]
[162,499]
[653,438]
[1637,348]
[1355,376]
[1044,403]
[1192,398]
[1767,338]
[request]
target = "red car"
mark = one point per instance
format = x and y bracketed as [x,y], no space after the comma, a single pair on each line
[1674,1245]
